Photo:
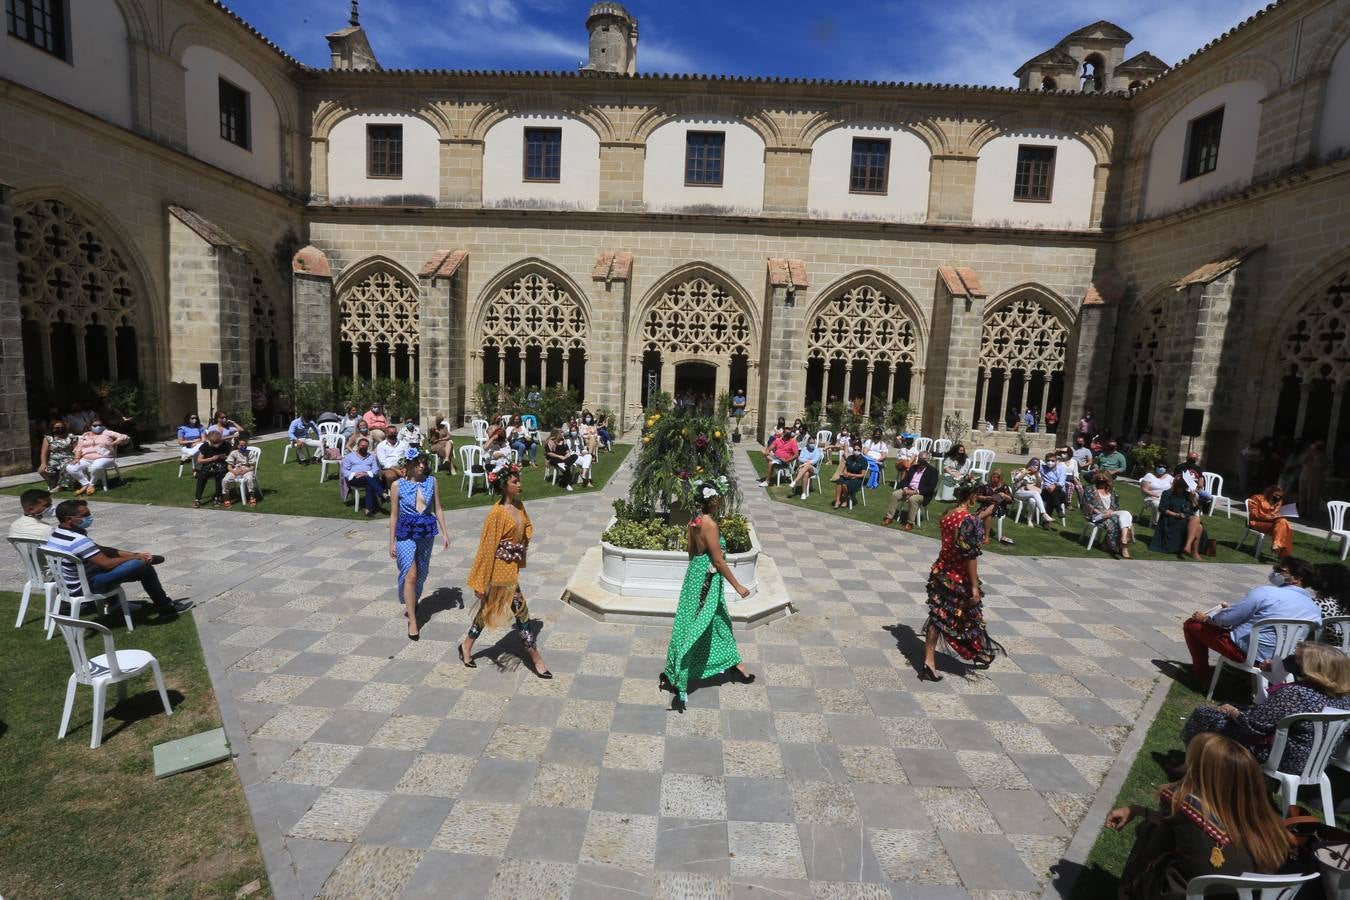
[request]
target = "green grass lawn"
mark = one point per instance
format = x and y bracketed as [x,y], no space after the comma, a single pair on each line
[1036,541]
[295,490]
[81,822]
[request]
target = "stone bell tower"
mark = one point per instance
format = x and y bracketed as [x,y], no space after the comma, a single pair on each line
[349,47]
[614,37]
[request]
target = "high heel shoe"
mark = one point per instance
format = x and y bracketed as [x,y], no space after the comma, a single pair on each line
[546,675]
[664,683]
[414,637]
[927,674]
[677,704]
[736,674]
[468,663]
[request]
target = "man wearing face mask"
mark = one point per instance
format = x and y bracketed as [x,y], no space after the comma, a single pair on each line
[1228,631]
[361,472]
[1153,486]
[33,524]
[95,450]
[106,567]
[377,422]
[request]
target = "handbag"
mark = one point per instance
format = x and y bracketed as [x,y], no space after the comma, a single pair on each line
[1320,848]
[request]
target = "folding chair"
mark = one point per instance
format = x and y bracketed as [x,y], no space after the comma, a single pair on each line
[921,444]
[941,447]
[480,431]
[113,666]
[1214,486]
[982,463]
[1288,633]
[329,442]
[255,460]
[471,455]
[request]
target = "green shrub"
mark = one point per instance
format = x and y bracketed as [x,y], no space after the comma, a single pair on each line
[658,402]
[136,400]
[736,531]
[898,415]
[1144,457]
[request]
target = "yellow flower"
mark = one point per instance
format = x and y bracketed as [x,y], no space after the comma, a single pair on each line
[699,469]
[684,431]
[656,417]
[717,435]
[647,439]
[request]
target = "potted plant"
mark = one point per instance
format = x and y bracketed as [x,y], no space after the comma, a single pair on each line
[1023,443]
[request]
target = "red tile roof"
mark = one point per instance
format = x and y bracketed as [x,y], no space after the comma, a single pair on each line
[443,263]
[310,260]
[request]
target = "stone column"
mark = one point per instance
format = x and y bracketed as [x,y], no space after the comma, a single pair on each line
[953,357]
[440,340]
[209,279]
[1333,424]
[1089,362]
[318,170]
[314,323]
[782,380]
[15,455]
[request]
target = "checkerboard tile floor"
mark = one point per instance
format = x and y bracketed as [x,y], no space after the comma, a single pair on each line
[388,769]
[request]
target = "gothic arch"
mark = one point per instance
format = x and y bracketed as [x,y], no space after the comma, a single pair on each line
[539,102]
[328,113]
[874,113]
[1310,296]
[533,324]
[378,306]
[1154,318]
[708,105]
[900,298]
[278,87]
[137,22]
[1093,136]
[83,295]
[1247,68]
[1331,43]
[686,274]
[513,272]
[1024,352]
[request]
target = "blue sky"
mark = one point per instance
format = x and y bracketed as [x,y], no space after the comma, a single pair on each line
[952,41]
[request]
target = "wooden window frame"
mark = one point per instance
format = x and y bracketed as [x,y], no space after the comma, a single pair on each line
[885,168]
[58,10]
[722,162]
[1049,177]
[1189,171]
[370,151]
[525,156]
[245,122]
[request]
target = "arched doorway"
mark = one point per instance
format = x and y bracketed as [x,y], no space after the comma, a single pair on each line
[695,385]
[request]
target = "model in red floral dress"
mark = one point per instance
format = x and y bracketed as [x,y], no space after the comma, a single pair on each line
[955,610]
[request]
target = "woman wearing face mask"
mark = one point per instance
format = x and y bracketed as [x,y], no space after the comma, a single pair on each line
[809,458]
[94,451]
[1264,516]
[211,466]
[58,452]
[1102,506]
[348,424]
[190,437]
[1180,529]
[362,433]
[1321,680]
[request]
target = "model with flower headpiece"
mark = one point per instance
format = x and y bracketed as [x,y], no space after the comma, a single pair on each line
[701,643]
[495,576]
[412,530]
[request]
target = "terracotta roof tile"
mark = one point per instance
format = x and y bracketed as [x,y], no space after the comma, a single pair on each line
[1106,288]
[207,230]
[310,260]
[952,281]
[972,281]
[961,281]
[787,273]
[1215,268]
[613,265]
[443,263]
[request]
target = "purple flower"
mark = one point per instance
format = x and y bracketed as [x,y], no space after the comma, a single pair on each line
[701,442]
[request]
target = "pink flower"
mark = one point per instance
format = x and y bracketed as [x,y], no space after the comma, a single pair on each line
[701,442]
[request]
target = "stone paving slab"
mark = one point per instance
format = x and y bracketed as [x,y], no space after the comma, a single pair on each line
[375,766]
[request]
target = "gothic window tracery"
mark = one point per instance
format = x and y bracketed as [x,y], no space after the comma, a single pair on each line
[1023,353]
[378,327]
[266,328]
[80,311]
[1315,367]
[697,317]
[534,333]
[860,333]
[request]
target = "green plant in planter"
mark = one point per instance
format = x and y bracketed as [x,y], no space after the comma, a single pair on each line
[678,450]
[736,530]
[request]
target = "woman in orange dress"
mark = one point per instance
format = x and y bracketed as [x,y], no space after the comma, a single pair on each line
[1264,516]
[495,576]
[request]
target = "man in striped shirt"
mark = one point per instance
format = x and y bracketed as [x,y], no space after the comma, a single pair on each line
[105,567]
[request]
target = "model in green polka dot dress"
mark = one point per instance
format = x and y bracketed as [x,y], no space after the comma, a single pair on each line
[701,643]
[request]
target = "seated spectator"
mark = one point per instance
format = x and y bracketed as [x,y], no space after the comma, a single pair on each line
[1073,473]
[1178,527]
[809,459]
[954,467]
[95,450]
[105,567]
[347,425]
[602,428]
[774,437]
[1112,461]
[211,466]
[361,472]
[225,425]
[1228,630]
[1264,516]
[915,492]
[1153,486]
[590,438]
[1054,495]
[1331,583]
[995,497]
[391,454]
[1217,821]
[303,434]
[585,458]
[377,422]
[1190,470]
[190,437]
[876,448]
[362,431]
[843,443]
[1082,454]
[440,443]
[80,417]
[1101,505]
[850,477]
[904,456]
[31,525]
[409,433]
[558,454]
[783,455]
[497,452]
[1027,485]
[56,455]
[522,440]
[1321,680]
[238,470]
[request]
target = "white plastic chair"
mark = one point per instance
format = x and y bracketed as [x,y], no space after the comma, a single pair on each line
[982,463]
[330,429]
[480,431]
[330,442]
[921,444]
[1250,887]
[1063,517]
[1214,485]
[1328,730]
[1288,634]
[54,560]
[823,438]
[471,455]
[1251,532]
[1336,510]
[941,447]
[38,579]
[779,471]
[113,666]
[101,475]
[1335,630]
[183,462]
[254,460]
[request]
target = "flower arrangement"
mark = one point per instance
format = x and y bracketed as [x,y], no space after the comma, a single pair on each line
[678,450]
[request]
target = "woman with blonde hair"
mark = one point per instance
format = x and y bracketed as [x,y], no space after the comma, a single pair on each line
[1218,820]
[495,576]
[1321,679]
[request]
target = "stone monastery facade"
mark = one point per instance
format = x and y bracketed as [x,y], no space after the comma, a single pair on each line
[1112,234]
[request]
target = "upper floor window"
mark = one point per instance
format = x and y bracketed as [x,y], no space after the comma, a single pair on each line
[1202,144]
[870,164]
[234,114]
[41,23]
[703,155]
[1035,175]
[543,154]
[384,151]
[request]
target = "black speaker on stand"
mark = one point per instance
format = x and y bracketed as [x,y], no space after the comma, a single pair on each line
[210,381]
[1192,426]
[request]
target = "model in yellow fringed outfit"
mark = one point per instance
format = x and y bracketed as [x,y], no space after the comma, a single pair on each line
[495,576]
